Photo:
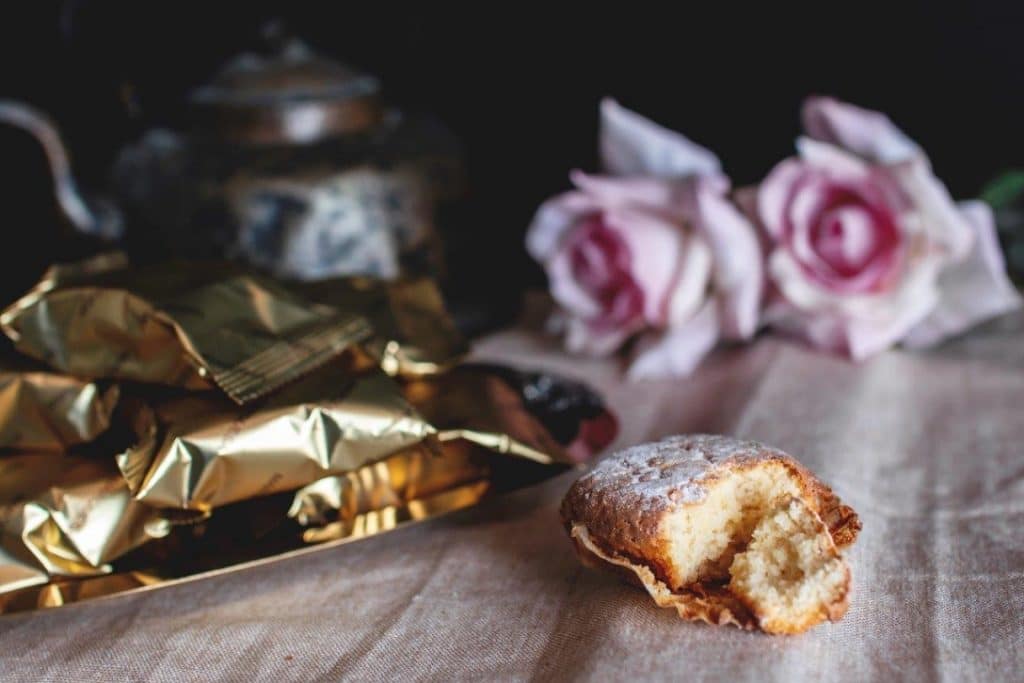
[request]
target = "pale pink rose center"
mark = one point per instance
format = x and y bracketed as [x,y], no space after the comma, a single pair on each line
[850,241]
[845,238]
[600,264]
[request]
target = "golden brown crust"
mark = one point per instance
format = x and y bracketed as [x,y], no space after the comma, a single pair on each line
[841,519]
[614,514]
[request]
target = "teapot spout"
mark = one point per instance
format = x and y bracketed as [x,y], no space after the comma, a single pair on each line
[93,217]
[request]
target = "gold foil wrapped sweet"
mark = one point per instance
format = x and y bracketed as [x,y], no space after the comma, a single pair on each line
[413,336]
[248,421]
[66,516]
[198,452]
[482,413]
[42,410]
[183,325]
[418,473]
[218,468]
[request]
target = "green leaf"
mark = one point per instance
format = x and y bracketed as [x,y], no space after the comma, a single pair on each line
[1005,189]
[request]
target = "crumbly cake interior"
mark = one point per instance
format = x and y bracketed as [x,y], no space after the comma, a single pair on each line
[791,574]
[755,534]
[703,539]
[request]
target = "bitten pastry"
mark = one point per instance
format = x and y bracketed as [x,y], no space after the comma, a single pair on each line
[723,530]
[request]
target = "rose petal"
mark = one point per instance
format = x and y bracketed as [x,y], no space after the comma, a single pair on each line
[821,330]
[668,197]
[679,350]
[869,335]
[738,268]
[581,337]
[971,290]
[553,219]
[936,212]
[565,289]
[773,196]
[634,145]
[860,325]
[692,275]
[808,198]
[793,283]
[657,247]
[840,163]
[869,134]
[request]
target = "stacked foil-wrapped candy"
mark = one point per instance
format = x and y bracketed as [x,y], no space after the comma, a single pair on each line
[159,422]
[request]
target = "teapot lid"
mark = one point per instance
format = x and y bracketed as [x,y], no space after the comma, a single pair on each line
[292,96]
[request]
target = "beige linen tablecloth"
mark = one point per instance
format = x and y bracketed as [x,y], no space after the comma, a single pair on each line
[928,447]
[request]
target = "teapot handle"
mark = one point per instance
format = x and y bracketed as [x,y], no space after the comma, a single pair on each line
[96,217]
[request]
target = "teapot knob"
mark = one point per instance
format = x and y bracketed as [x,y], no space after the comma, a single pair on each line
[97,217]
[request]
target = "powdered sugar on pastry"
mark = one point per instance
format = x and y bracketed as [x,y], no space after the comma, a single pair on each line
[674,467]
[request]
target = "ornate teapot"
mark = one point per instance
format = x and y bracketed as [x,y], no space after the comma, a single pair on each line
[290,162]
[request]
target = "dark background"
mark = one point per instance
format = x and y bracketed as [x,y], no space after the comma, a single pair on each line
[520,87]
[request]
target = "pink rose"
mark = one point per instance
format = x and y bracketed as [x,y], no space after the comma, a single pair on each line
[653,250]
[866,247]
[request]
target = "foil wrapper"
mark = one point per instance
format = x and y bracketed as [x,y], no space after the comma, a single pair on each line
[66,516]
[41,410]
[198,452]
[249,421]
[366,497]
[185,325]
[479,405]
[477,413]
[413,335]
[209,486]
